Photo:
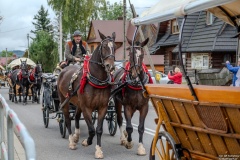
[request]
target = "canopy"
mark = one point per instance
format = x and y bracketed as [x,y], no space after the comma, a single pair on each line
[17,62]
[2,68]
[169,9]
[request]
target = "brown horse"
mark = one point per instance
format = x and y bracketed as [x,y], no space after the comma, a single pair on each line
[131,96]
[93,96]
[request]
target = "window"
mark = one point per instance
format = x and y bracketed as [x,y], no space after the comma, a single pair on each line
[209,18]
[174,26]
[199,61]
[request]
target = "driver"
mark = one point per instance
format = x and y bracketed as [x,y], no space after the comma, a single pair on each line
[76,49]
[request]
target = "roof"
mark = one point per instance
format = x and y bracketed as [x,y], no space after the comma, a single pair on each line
[156,59]
[107,27]
[199,37]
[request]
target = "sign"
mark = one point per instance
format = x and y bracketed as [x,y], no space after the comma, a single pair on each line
[200,60]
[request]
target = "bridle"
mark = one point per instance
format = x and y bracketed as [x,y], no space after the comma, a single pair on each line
[25,69]
[101,55]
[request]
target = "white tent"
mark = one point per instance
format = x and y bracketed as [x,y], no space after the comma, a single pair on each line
[17,62]
[169,9]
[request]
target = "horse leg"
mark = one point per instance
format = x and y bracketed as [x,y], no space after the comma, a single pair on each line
[143,113]
[87,114]
[118,107]
[20,91]
[14,94]
[128,112]
[65,110]
[33,90]
[38,90]
[77,126]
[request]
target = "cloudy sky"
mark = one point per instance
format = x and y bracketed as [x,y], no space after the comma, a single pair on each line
[18,16]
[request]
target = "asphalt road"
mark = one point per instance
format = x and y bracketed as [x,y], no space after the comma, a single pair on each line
[50,145]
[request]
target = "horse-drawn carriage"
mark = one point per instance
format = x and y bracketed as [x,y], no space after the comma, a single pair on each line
[24,80]
[194,121]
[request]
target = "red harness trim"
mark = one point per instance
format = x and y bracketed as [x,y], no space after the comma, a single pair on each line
[20,75]
[31,77]
[97,86]
[84,81]
[150,81]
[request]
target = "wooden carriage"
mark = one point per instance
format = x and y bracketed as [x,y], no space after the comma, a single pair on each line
[209,128]
[194,121]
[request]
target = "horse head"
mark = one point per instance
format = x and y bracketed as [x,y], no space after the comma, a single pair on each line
[136,55]
[38,69]
[107,51]
[24,68]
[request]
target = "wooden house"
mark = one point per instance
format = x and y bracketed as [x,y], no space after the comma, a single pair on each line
[207,44]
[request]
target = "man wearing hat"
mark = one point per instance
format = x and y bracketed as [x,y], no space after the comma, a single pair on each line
[236,73]
[76,49]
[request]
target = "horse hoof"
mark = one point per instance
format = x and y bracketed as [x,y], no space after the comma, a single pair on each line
[123,140]
[128,145]
[76,138]
[98,152]
[84,143]
[72,146]
[141,150]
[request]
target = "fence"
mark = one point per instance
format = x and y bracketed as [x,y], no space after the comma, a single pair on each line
[13,121]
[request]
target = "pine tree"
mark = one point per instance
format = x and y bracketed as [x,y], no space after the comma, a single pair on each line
[42,22]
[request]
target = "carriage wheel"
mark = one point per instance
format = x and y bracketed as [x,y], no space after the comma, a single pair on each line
[62,125]
[94,117]
[165,148]
[45,111]
[111,118]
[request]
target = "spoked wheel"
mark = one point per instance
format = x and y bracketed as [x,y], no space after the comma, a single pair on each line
[165,148]
[94,117]
[111,118]
[45,111]
[62,125]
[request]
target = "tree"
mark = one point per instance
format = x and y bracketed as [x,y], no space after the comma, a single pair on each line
[44,50]
[114,11]
[42,22]
[77,14]
[1,19]
[9,54]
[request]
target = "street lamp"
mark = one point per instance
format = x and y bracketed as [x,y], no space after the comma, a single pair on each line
[28,44]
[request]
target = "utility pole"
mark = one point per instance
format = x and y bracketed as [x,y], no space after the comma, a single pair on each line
[142,38]
[28,44]
[6,58]
[60,37]
[124,31]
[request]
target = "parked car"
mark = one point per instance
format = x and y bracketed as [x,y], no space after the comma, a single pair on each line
[163,77]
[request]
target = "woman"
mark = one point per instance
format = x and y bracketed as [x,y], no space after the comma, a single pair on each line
[176,77]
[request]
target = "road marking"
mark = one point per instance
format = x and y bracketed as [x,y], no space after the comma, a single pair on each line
[147,130]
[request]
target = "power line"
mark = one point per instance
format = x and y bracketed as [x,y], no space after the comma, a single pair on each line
[15,29]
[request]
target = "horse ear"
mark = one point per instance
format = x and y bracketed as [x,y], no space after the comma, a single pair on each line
[101,35]
[144,42]
[129,41]
[113,36]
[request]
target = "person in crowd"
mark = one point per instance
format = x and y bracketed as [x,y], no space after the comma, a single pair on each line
[175,76]
[76,49]
[236,73]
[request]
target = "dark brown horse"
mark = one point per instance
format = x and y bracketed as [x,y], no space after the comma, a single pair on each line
[35,79]
[94,95]
[131,97]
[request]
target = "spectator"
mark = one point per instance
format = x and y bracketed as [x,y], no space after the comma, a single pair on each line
[236,73]
[176,76]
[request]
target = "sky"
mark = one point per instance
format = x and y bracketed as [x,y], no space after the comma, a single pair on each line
[18,17]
